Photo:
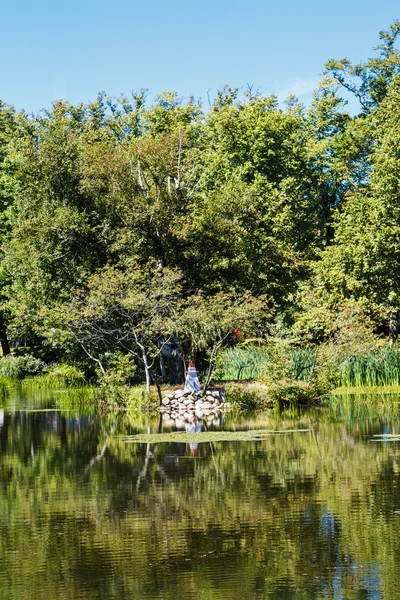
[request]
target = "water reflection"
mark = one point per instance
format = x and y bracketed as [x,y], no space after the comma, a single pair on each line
[307,515]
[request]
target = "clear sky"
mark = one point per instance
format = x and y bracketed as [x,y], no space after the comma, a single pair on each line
[70,50]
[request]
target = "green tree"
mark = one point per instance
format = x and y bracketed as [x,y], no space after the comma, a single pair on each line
[370,81]
[134,311]
[12,127]
[363,263]
[254,217]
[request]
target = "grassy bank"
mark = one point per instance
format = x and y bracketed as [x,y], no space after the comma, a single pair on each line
[294,385]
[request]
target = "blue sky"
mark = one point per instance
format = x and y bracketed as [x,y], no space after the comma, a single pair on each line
[71,50]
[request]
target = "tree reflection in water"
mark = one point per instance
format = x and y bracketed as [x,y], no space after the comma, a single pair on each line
[85,515]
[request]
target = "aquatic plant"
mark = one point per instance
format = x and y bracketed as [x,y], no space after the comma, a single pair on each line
[210,436]
[59,376]
[254,362]
[379,367]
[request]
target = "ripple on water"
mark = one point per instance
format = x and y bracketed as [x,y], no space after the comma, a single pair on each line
[84,515]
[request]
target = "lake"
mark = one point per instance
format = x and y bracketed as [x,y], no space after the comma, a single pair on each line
[306,508]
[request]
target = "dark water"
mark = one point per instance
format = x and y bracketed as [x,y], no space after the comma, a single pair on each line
[306,515]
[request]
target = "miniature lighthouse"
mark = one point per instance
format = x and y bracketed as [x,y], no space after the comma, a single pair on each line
[192,383]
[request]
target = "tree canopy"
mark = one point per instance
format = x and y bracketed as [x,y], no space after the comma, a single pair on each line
[123,216]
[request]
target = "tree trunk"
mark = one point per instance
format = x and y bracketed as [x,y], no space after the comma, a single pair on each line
[5,346]
[157,384]
[146,369]
[393,327]
[211,367]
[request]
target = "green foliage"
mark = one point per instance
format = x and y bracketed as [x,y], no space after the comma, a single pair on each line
[120,369]
[295,393]
[3,388]
[63,375]
[129,228]
[139,400]
[19,367]
[369,81]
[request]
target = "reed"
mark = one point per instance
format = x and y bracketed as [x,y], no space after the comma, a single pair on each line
[241,364]
[254,362]
[376,368]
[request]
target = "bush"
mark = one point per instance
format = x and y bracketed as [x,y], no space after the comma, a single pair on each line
[120,370]
[65,375]
[19,367]
[294,393]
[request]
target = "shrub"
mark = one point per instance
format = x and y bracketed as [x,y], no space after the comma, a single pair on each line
[120,370]
[18,367]
[65,375]
[294,393]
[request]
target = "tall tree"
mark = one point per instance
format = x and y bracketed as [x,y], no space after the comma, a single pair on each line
[370,81]
[363,263]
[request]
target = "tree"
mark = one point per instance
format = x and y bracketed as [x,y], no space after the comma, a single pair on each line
[129,310]
[254,217]
[363,263]
[12,126]
[370,81]
[207,323]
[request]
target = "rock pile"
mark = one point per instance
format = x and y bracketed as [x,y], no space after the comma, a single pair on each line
[187,404]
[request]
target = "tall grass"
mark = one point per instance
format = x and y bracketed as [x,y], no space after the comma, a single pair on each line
[379,367]
[253,362]
[301,361]
[241,364]
[376,368]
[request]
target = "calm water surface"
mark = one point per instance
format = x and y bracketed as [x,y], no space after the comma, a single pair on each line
[304,515]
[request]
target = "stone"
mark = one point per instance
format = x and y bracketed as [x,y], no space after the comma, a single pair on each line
[165,401]
[206,404]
